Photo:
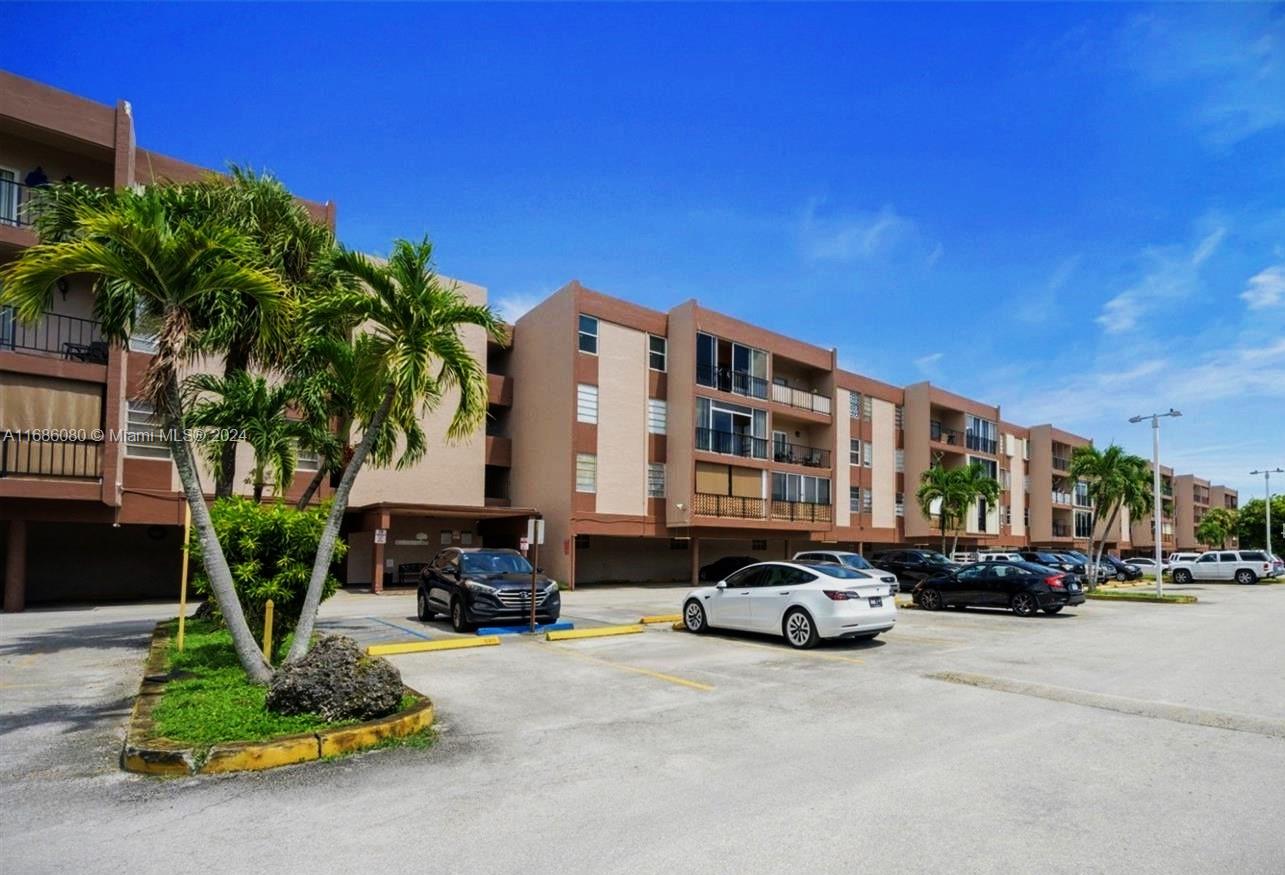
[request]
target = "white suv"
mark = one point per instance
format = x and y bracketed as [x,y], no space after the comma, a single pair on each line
[855,561]
[1242,566]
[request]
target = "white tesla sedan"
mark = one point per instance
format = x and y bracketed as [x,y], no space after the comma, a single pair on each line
[802,602]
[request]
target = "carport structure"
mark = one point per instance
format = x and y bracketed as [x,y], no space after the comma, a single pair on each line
[384,536]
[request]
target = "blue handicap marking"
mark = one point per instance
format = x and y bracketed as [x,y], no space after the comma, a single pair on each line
[522,630]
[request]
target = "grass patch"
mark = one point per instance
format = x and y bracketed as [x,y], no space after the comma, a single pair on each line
[1115,595]
[209,700]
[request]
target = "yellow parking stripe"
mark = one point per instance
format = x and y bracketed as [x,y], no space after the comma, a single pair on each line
[661,676]
[423,646]
[600,632]
[661,618]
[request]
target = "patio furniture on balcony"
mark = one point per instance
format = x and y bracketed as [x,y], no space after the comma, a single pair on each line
[71,337]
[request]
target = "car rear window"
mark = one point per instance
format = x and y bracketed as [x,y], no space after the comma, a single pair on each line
[1254,556]
[842,572]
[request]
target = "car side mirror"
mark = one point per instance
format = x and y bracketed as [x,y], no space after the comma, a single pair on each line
[722,584]
[539,569]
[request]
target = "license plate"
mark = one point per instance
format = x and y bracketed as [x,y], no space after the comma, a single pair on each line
[1075,587]
[876,601]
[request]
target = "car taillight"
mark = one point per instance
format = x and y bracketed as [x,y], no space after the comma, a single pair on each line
[838,595]
[1054,581]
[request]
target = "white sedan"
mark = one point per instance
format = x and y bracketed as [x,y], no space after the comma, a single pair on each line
[1147,565]
[801,602]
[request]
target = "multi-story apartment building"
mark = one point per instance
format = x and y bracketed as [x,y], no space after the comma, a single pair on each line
[1142,530]
[1061,512]
[1190,503]
[1229,499]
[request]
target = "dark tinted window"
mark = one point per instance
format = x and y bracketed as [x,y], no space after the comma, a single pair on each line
[1227,557]
[855,561]
[972,572]
[1254,556]
[495,563]
[1208,557]
[842,572]
[744,577]
[782,575]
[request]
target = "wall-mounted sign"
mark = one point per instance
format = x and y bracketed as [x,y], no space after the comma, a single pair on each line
[381,536]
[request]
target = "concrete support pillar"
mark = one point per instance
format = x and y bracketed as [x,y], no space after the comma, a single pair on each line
[695,551]
[787,549]
[15,567]
[382,521]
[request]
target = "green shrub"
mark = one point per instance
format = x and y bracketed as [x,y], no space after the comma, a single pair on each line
[270,549]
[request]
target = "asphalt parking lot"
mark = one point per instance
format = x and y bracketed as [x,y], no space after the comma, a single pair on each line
[1110,737]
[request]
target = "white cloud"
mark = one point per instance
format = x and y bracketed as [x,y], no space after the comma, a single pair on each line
[1265,289]
[513,307]
[927,364]
[1170,275]
[1208,246]
[858,237]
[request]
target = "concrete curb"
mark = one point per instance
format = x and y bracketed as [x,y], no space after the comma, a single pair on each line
[146,753]
[428,646]
[661,618]
[1117,596]
[600,632]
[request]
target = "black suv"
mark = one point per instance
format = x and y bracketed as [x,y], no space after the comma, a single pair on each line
[913,564]
[479,585]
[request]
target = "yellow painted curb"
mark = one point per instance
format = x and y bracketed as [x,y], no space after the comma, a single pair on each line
[256,755]
[661,618]
[600,632]
[426,646]
[679,627]
[355,738]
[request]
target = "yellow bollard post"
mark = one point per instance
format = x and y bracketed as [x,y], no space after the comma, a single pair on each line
[182,592]
[267,631]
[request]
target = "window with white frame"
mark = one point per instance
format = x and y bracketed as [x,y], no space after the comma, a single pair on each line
[867,500]
[144,432]
[586,472]
[588,334]
[657,415]
[307,460]
[657,352]
[655,480]
[867,453]
[800,487]
[854,499]
[141,339]
[854,451]
[586,403]
[901,461]
[867,407]
[854,405]
[901,504]
[900,416]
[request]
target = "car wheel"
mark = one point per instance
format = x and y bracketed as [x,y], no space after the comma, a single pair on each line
[1025,605]
[1054,610]
[1182,575]
[459,621]
[421,608]
[799,630]
[1245,576]
[1120,576]
[930,600]
[694,617]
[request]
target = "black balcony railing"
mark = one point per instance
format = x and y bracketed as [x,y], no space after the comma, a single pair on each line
[941,434]
[22,456]
[731,443]
[980,444]
[14,197]
[729,380]
[798,454]
[1061,463]
[734,506]
[1061,530]
[801,511]
[70,337]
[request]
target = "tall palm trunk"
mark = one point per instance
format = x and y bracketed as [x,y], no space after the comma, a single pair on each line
[1102,545]
[238,359]
[322,470]
[326,547]
[216,564]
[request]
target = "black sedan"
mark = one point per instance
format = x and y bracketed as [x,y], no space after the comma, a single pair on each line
[720,569]
[1123,570]
[1023,587]
[485,586]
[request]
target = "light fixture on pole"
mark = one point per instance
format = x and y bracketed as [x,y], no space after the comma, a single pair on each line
[1157,508]
[1267,485]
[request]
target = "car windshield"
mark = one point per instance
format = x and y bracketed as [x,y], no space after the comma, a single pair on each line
[1045,558]
[495,563]
[840,571]
[855,561]
[937,558]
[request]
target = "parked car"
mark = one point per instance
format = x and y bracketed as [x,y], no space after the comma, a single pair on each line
[849,560]
[1022,587]
[1242,566]
[1048,559]
[912,564]
[1174,558]
[998,557]
[963,557]
[1083,563]
[720,568]
[802,603]
[479,585]
[1147,565]
[1278,566]
[1120,569]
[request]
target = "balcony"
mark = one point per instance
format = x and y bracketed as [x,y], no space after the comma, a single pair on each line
[801,512]
[1082,500]
[499,390]
[732,506]
[22,456]
[68,337]
[14,197]
[801,398]
[980,444]
[1061,463]
[1061,497]
[798,454]
[731,443]
[1061,530]
[728,380]
[499,451]
[942,435]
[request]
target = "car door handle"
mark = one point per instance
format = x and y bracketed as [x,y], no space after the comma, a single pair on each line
[783,593]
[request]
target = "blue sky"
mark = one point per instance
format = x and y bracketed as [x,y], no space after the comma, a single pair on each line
[1077,212]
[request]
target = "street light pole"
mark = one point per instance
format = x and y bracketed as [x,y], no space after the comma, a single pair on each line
[1267,486]
[1157,509]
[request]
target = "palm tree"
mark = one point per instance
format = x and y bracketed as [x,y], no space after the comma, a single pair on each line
[170,273]
[326,374]
[975,485]
[941,487]
[408,354]
[1216,527]
[248,405]
[1117,481]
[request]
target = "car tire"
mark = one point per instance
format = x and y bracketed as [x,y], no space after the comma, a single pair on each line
[799,629]
[1182,575]
[1246,577]
[421,608]
[694,617]
[459,617]
[931,600]
[1054,610]
[1024,604]
[1121,576]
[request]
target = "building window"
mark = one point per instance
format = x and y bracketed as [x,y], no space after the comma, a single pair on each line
[867,500]
[307,460]
[587,403]
[657,415]
[586,472]
[1026,483]
[655,481]
[866,454]
[901,461]
[582,542]
[1083,525]
[144,432]
[800,487]
[867,407]
[854,451]
[901,417]
[854,405]
[854,499]
[901,504]
[657,352]
[588,334]
[758,544]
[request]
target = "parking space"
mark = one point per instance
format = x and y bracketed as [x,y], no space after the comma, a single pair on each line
[1137,728]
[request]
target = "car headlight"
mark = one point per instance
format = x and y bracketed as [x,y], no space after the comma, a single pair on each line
[551,586]
[1131,568]
[478,587]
